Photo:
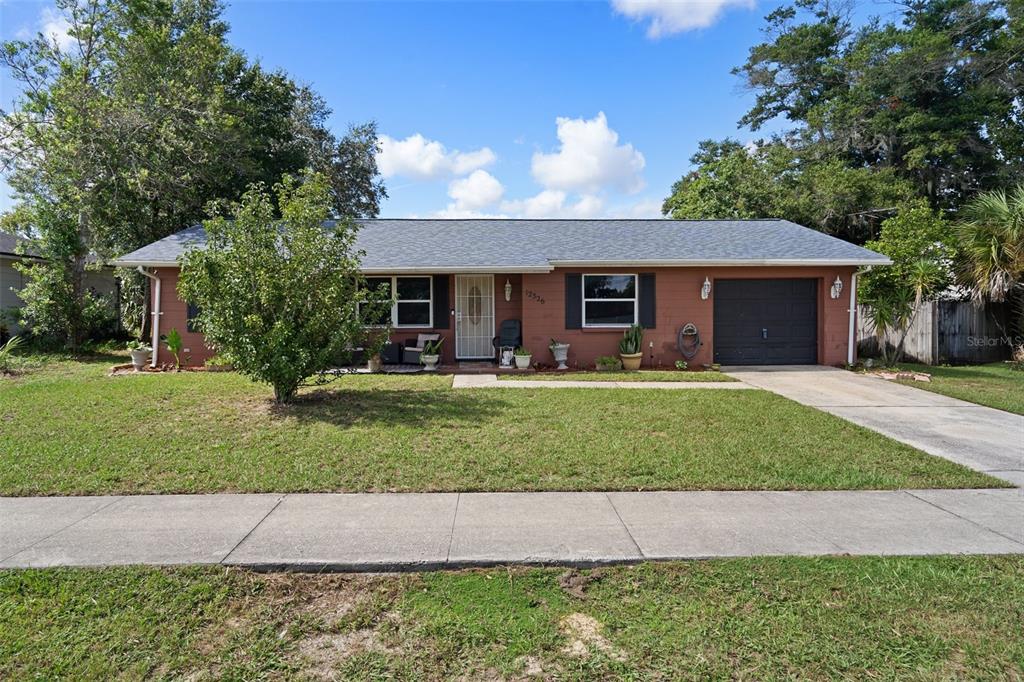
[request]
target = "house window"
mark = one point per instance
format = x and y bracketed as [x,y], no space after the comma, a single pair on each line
[609,300]
[413,305]
[411,301]
[383,286]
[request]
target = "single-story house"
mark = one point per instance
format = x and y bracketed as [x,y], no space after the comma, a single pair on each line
[756,291]
[14,250]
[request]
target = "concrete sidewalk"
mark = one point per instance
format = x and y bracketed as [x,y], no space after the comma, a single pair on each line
[357,532]
[981,438]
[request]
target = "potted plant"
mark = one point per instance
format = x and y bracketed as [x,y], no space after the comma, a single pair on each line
[140,354]
[431,354]
[631,347]
[607,363]
[373,347]
[522,358]
[561,353]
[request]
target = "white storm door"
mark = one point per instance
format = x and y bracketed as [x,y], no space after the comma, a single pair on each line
[474,316]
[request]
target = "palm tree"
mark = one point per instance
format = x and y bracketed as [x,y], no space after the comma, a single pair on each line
[991,236]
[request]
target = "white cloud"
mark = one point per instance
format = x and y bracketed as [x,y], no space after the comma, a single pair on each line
[55,27]
[422,159]
[666,17]
[551,203]
[478,190]
[645,208]
[589,159]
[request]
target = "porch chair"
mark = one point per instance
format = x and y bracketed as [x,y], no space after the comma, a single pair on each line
[510,334]
[414,348]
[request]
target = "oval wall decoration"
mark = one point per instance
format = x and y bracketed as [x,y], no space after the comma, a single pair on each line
[475,305]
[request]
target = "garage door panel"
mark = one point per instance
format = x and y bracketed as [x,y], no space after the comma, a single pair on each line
[773,321]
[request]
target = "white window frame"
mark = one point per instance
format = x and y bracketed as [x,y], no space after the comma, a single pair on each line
[585,300]
[394,300]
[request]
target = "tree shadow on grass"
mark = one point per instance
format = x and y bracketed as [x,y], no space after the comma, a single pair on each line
[346,408]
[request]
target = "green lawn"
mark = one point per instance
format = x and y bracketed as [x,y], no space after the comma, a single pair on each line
[994,385]
[622,375]
[765,619]
[68,428]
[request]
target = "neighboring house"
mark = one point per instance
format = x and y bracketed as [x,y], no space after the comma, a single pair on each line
[11,281]
[758,291]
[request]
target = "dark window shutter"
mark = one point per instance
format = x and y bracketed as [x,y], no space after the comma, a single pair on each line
[190,317]
[648,301]
[573,300]
[441,307]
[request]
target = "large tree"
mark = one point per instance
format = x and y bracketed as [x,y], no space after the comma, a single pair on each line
[125,136]
[934,96]
[923,105]
[772,180]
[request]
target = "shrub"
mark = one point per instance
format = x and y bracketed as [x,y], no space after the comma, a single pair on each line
[175,346]
[7,354]
[280,296]
[607,362]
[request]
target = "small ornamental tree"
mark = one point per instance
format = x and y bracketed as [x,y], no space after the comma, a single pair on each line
[279,293]
[920,243]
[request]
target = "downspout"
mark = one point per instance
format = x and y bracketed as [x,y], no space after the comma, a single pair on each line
[851,343]
[155,313]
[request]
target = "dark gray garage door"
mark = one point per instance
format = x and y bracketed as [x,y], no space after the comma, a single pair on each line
[766,321]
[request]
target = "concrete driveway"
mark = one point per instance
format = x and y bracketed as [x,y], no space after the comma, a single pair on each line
[982,438]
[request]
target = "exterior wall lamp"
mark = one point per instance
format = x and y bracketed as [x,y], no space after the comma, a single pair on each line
[705,289]
[508,290]
[837,287]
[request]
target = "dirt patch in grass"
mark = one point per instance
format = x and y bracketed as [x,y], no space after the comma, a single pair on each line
[585,635]
[575,583]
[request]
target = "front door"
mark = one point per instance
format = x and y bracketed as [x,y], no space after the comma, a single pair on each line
[474,316]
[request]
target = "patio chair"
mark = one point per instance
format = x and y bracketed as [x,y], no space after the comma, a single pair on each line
[510,335]
[414,348]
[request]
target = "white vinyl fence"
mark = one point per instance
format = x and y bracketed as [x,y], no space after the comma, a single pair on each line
[945,332]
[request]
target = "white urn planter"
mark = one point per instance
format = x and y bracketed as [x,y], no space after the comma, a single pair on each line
[523,361]
[561,353]
[139,358]
[430,362]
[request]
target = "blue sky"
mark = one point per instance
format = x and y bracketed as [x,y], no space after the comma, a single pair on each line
[585,109]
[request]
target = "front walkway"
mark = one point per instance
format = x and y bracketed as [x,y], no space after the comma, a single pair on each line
[491,381]
[358,532]
[981,438]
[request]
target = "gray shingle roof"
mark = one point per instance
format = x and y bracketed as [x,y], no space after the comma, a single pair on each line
[538,245]
[9,246]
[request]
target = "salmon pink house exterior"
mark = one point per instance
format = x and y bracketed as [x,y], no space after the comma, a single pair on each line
[756,291]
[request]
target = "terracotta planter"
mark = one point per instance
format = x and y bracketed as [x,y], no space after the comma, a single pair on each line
[523,361]
[631,361]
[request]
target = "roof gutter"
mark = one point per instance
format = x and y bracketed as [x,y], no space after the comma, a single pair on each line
[156,313]
[730,262]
